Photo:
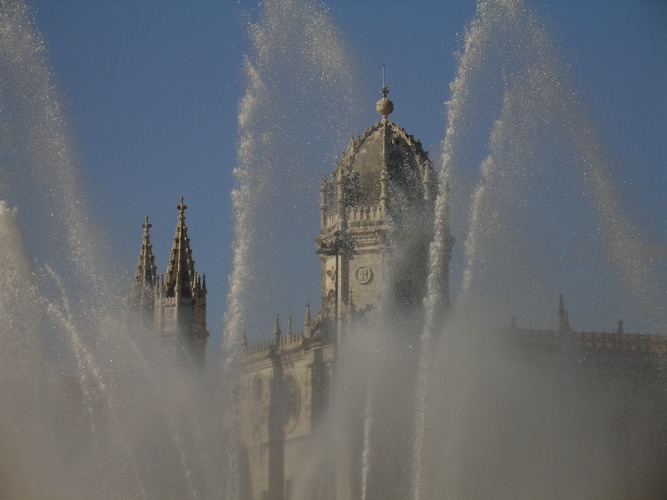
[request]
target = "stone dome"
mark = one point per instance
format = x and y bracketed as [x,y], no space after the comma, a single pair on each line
[385,143]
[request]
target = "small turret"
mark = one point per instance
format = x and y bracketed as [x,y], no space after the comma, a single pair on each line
[426,182]
[276,331]
[340,195]
[563,317]
[308,323]
[383,188]
[324,202]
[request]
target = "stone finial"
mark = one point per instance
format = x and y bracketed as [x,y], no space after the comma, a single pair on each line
[426,182]
[308,323]
[383,186]
[276,329]
[384,106]
[563,316]
[181,207]
[146,225]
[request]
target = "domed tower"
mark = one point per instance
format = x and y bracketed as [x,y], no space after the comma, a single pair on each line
[376,223]
[180,299]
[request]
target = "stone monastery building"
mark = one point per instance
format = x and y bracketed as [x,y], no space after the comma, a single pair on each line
[376,223]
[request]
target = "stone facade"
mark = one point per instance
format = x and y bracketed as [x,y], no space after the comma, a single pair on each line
[284,385]
[618,387]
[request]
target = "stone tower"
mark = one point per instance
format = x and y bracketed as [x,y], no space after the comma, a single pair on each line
[180,298]
[376,223]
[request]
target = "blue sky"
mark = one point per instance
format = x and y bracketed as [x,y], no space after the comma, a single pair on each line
[151,92]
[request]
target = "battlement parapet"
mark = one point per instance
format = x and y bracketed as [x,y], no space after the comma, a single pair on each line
[621,342]
[597,341]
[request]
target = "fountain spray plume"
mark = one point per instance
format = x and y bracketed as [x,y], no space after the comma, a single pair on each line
[310,104]
[38,176]
[281,110]
[541,121]
[24,377]
[86,390]
[510,56]
[518,58]
[37,159]
[626,246]
[461,110]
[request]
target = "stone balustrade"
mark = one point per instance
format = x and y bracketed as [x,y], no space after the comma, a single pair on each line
[286,341]
[354,214]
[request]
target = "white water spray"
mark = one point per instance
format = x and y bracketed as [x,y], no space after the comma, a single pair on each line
[280,111]
[459,115]
[88,390]
[507,49]
[366,449]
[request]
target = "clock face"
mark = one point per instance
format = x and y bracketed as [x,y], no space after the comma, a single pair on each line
[364,275]
[293,402]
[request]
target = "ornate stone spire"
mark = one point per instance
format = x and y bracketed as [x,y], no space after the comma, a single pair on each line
[180,313]
[145,274]
[180,280]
